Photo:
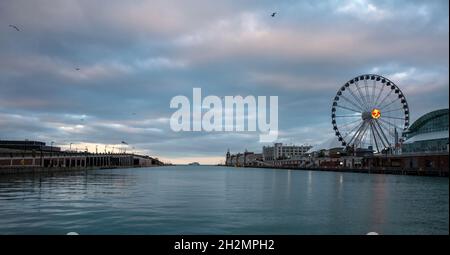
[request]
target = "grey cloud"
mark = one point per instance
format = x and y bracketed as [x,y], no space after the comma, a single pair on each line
[134,57]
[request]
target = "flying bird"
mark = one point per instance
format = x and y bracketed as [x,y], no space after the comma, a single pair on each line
[15,27]
[78,69]
[124,142]
[273,14]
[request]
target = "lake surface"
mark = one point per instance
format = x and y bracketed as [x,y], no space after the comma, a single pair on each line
[222,200]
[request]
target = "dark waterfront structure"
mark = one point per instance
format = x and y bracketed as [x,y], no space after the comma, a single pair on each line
[27,145]
[427,134]
[420,164]
[34,156]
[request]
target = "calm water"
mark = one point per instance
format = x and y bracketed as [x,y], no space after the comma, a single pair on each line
[219,200]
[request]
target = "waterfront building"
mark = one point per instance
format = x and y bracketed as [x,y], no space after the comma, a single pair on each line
[233,160]
[428,134]
[35,156]
[252,159]
[25,145]
[329,147]
[228,158]
[243,159]
[279,151]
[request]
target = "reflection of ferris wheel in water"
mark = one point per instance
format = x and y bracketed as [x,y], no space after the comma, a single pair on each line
[371,112]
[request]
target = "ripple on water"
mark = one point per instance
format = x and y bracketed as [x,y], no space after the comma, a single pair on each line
[218,200]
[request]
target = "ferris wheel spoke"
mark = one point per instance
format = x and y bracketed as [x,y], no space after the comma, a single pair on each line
[361,96]
[367,93]
[374,136]
[348,108]
[393,110]
[390,124]
[391,133]
[362,135]
[349,128]
[379,94]
[382,133]
[391,117]
[353,129]
[390,103]
[384,99]
[352,103]
[349,123]
[388,130]
[348,116]
[379,136]
[373,92]
[356,99]
[357,133]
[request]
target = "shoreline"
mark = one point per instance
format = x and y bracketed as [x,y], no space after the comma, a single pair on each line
[417,172]
[17,171]
[50,170]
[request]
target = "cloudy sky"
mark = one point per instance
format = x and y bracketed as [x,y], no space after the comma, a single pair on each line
[134,56]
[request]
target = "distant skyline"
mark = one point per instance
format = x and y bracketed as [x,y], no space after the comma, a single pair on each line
[102,72]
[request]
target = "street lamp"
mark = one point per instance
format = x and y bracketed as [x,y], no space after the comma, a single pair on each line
[70,146]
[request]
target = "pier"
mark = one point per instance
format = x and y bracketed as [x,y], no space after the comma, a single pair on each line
[31,157]
[429,164]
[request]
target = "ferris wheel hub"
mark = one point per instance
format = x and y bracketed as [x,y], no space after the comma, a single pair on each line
[366,115]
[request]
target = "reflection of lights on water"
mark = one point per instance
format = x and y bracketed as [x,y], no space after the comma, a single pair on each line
[341,181]
[289,182]
[309,189]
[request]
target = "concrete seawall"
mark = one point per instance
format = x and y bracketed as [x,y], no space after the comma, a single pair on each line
[45,170]
[18,163]
[396,171]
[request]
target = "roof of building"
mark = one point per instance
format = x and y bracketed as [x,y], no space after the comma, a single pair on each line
[426,118]
[330,143]
[427,136]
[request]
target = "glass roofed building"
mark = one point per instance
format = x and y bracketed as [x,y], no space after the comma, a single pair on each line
[429,133]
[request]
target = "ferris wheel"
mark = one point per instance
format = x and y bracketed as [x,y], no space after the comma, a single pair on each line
[371,112]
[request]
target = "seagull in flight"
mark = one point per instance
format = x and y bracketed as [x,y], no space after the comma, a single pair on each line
[273,14]
[78,69]
[15,27]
